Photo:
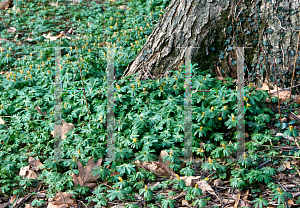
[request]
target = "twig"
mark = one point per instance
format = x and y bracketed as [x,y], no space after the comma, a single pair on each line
[229,198]
[294,66]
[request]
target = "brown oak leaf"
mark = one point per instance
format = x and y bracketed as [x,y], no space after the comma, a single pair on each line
[85,174]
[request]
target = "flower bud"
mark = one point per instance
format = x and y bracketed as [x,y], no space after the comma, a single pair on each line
[121,179]
[220,118]
[210,160]
[134,140]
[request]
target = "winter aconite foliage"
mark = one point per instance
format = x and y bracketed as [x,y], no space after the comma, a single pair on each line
[149,114]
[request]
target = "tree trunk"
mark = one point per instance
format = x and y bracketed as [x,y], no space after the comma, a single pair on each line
[211,25]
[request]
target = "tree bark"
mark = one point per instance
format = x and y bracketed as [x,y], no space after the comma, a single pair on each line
[219,26]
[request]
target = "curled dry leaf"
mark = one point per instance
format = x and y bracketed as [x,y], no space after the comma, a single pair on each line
[85,174]
[25,172]
[160,169]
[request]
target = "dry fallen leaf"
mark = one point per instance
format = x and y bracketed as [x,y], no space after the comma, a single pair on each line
[51,205]
[11,30]
[12,199]
[160,169]
[39,110]
[62,198]
[85,174]
[190,180]
[34,163]
[162,157]
[64,129]
[204,186]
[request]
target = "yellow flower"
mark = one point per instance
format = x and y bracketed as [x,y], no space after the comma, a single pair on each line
[121,179]
[118,86]
[11,73]
[223,99]
[210,160]
[177,176]
[220,118]
[30,66]
[132,86]
[134,140]
[233,118]
[1,106]
[111,18]
[49,71]
[171,153]
[7,55]
[148,24]
[203,114]
[279,190]
[223,145]
[1,50]
[144,90]
[225,107]
[160,87]
[65,105]
[175,87]
[201,128]
[200,150]
[206,179]
[250,85]
[196,185]
[25,77]
[89,50]
[9,49]
[146,188]
[30,76]
[111,27]
[71,48]
[139,84]
[291,127]
[245,155]
[176,77]
[136,42]
[30,54]
[212,108]
[248,105]
[79,151]
[159,15]
[28,72]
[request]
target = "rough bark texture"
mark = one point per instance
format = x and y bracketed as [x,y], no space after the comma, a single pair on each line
[218,26]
